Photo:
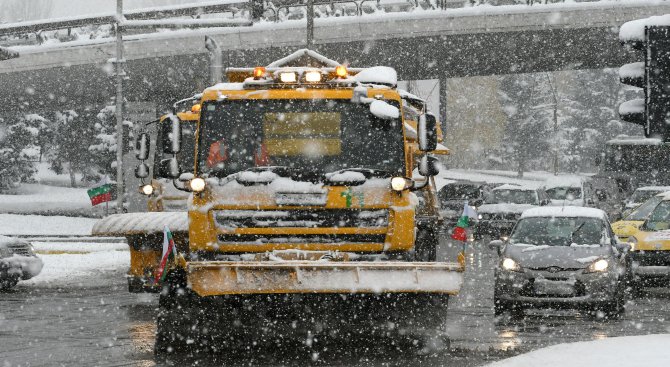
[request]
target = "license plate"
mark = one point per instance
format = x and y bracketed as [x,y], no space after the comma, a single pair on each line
[553,288]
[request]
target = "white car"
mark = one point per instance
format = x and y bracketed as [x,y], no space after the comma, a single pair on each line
[17,261]
[566,190]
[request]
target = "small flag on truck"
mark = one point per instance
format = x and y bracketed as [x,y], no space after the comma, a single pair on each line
[100,194]
[469,214]
[169,253]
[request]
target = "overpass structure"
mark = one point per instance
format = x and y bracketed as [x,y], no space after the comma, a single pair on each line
[420,44]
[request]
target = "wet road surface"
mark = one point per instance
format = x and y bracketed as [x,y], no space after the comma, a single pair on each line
[107,326]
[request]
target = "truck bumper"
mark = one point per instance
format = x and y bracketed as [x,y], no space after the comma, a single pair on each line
[214,278]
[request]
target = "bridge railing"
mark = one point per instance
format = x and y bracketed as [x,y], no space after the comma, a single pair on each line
[101,26]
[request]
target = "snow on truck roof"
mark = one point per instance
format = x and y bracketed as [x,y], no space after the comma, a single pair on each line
[517,187]
[634,30]
[634,140]
[653,188]
[564,211]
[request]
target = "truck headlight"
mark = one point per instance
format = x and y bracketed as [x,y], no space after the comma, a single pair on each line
[147,189]
[510,264]
[197,184]
[598,266]
[400,183]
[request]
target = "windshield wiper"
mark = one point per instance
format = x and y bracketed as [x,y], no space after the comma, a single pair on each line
[572,235]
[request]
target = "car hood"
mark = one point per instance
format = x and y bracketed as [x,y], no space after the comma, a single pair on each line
[626,228]
[504,208]
[653,241]
[567,257]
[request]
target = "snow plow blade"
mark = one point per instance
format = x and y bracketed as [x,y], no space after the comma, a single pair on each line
[140,223]
[214,278]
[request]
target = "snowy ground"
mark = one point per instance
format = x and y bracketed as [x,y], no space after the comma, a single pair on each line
[643,350]
[38,225]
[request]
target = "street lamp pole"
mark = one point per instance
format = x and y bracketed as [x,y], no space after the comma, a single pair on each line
[119,107]
[310,23]
[556,147]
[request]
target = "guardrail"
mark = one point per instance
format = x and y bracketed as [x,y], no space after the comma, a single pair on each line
[37,32]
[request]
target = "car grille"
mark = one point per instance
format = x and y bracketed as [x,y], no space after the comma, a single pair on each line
[334,218]
[651,258]
[21,249]
[528,290]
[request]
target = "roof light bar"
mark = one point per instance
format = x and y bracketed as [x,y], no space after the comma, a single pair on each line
[288,77]
[341,71]
[259,72]
[313,76]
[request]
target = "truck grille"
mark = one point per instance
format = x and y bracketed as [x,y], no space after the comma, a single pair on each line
[296,239]
[321,218]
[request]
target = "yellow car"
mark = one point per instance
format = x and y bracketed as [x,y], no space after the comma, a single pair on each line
[650,252]
[627,226]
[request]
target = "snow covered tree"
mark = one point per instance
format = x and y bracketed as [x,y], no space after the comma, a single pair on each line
[19,149]
[69,150]
[103,146]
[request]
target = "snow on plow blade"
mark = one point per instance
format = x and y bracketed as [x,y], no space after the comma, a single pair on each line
[140,223]
[214,278]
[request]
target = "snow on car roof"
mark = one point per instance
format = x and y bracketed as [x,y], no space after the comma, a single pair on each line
[4,241]
[564,211]
[564,181]
[514,187]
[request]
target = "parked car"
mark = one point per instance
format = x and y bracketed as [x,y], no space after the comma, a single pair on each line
[17,262]
[500,212]
[650,253]
[607,195]
[453,195]
[627,226]
[642,194]
[569,190]
[561,257]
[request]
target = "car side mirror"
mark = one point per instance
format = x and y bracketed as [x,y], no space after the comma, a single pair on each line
[169,168]
[142,170]
[622,246]
[427,132]
[496,245]
[544,202]
[172,136]
[142,147]
[429,166]
[589,201]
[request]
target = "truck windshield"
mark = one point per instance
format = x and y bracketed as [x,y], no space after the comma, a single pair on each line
[319,136]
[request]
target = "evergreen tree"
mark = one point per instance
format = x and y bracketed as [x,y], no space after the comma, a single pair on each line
[70,150]
[103,146]
[19,150]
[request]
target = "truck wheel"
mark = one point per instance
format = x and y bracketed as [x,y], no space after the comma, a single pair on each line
[425,248]
[179,328]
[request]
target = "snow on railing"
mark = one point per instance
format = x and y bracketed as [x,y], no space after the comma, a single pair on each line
[244,12]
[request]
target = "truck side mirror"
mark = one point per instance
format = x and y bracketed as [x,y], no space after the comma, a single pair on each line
[427,132]
[172,136]
[429,166]
[142,147]
[142,171]
[169,168]
[496,245]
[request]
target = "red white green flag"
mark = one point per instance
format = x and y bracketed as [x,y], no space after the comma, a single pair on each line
[100,194]
[169,254]
[469,214]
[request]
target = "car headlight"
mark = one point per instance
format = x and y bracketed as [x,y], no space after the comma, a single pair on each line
[598,266]
[480,216]
[147,189]
[197,184]
[510,264]
[400,183]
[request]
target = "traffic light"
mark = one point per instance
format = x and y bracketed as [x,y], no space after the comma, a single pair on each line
[652,75]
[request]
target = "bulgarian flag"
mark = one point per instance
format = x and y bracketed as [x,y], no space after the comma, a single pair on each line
[469,214]
[100,194]
[169,253]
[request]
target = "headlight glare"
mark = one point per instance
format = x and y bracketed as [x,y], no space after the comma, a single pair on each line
[197,184]
[399,183]
[510,264]
[598,266]
[147,189]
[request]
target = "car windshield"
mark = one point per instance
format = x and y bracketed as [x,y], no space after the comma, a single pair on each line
[319,135]
[460,192]
[564,193]
[185,155]
[640,196]
[659,219]
[514,197]
[559,231]
[643,211]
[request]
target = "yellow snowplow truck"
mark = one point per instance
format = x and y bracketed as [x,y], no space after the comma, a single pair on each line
[166,202]
[307,215]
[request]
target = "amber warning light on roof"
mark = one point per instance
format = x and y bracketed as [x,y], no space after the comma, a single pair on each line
[259,72]
[341,71]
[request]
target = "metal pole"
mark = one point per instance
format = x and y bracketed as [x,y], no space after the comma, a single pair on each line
[443,102]
[215,60]
[119,107]
[310,23]
[553,92]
